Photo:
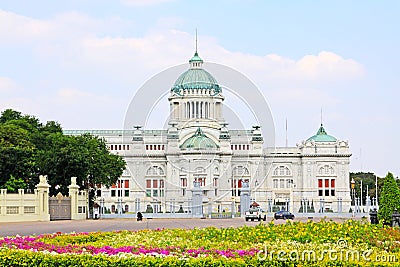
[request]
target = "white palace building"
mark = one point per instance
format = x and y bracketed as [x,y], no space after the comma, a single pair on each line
[198,149]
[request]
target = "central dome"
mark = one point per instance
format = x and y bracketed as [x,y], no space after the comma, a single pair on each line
[196,78]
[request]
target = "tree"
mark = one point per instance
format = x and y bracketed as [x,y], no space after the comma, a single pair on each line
[13,184]
[29,148]
[16,152]
[10,114]
[390,199]
[85,157]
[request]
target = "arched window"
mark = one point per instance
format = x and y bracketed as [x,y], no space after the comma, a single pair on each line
[200,170]
[155,171]
[282,171]
[240,171]
[326,170]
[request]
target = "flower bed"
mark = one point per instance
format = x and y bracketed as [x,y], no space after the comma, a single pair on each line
[324,243]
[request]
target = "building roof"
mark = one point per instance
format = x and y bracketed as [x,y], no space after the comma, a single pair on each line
[322,136]
[199,141]
[196,78]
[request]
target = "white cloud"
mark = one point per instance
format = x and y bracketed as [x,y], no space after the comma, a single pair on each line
[16,28]
[61,29]
[92,48]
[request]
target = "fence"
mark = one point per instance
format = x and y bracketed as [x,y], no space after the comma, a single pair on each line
[21,206]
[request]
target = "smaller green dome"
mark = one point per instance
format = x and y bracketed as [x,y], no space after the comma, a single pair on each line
[322,136]
[199,141]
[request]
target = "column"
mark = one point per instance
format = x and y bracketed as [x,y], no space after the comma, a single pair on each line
[43,198]
[197,200]
[73,194]
[244,198]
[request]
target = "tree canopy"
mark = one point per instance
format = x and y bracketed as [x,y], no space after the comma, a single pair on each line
[390,199]
[29,148]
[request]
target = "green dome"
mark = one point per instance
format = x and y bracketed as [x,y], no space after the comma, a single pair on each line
[195,78]
[199,141]
[322,136]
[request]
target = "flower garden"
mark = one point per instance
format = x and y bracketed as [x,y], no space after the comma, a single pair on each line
[324,243]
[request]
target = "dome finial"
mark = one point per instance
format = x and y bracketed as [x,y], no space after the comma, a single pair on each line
[196,61]
[321,117]
[196,41]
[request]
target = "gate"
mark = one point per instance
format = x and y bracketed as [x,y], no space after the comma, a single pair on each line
[60,207]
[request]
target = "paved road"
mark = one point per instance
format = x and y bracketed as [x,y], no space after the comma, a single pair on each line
[30,228]
[36,228]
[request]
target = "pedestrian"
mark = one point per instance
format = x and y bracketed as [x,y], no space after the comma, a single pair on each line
[139,216]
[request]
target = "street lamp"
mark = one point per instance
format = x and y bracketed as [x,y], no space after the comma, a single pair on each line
[353,185]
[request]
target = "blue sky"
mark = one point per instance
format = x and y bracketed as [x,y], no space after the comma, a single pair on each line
[80,62]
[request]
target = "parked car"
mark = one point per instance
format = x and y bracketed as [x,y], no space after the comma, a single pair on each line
[255,213]
[283,214]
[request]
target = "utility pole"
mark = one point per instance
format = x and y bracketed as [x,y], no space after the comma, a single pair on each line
[376,191]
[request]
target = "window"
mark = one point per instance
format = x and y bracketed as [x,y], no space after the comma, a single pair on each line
[215,182]
[155,171]
[236,185]
[200,176]
[240,171]
[275,183]
[282,171]
[155,187]
[184,182]
[113,193]
[127,193]
[240,174]
[326,170]
[281,183]
[201,180]
[326,187]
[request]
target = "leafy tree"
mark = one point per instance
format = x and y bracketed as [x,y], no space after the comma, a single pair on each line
[16,152]
[28,148]
[13,184]
[390,199]
[10,114]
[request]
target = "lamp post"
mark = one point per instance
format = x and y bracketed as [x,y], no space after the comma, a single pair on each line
[353,184]
[101,207]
